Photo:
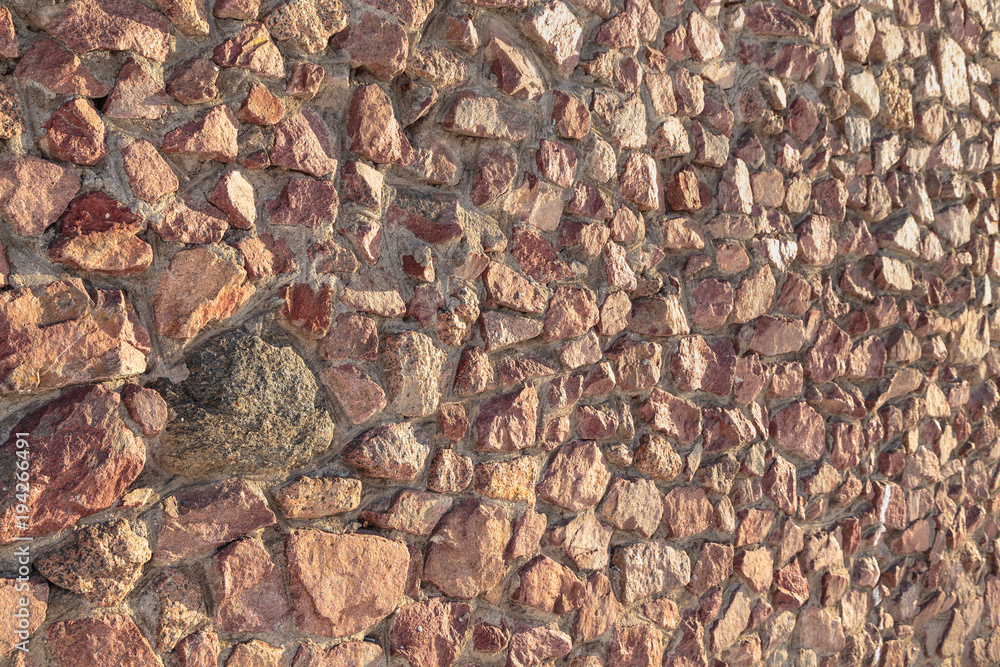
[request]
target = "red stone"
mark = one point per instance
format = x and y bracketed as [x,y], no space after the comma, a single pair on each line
[800,430]
[107,25]
[34,193]
[430,633]
[577,476]
[58,70]
[266,256]
[308,23]
[478,116]
[136,94]
[307,202]
[343,584]
[304,79]
[377,44]
[302,142]
[75,133]
[465,557]
[261,106]
[146,407]
[212,138]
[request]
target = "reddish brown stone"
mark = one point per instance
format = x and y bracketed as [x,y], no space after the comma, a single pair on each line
[193,81]
[345,654]
[34,193]
[8,38]
[374,131]
[557,162]
[90,642]
[309,311]
[571,116]
[515,74]
[686,511]
[343,584]
[572,311]
[198,520]
[799,430]
[449,472]
[306,202]
[307,22]
[236,9]
[577,476]
[633,504]
[59,70]
[249,594]
[75,133]
[261,106]
[302,143]
[107,25]
[200,649]
[149,175]
[198,289]
[251,48]
[536,645]
[671,415]
[430,633]
[465,556]
[211,138]
[266,256]
[414,512]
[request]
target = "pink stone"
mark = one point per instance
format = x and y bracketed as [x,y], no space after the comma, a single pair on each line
[639,182]
[146,407]
[577,476]
[75,133]
[304,79]
[34,593]
[245,10]
[375,133]
[249,594]
[107,25]
[479,116]
[572,312]
[430,633]
[391,451]
[198,520]
[34,193]
[687,511]
[149,175]
[266,256]
[261,106]
[671,415]
[198,289]
[465,557]
[507,422]
[252,49]
[136,94]
[93,642]
[302,143]
[211,138]
[798,429]
[185,223]
[8,38]
[377,44]
[343,584]
[308,23]
[58,70]
[554,28]
[234,196]
[515,74]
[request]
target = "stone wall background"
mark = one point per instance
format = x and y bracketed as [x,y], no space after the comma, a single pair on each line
[500,332]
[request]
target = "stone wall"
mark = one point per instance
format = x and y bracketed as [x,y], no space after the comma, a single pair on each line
[499,333]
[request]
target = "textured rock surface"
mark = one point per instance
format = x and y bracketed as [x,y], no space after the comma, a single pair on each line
[246,406]
[596,333]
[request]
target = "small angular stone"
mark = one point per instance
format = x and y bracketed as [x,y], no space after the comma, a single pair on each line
[554,28]
[251,48]
[75,133]
[391,451]
[185,223]
[90,642]
[308,23]
[198,289]
[261,106]
[479,116]
[577,476]
[58,70]
[99,234]
[193,81]
[34,193]
[374,131]
[212,138]
[302,143]
[465,556]
[314,498]
[305,202]
[247,587]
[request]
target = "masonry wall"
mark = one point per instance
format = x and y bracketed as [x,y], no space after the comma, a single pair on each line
[499,333]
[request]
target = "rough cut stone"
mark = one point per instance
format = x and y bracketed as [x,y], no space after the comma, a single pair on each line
[211,138]
[478,116]
[90,642]
[34,193]
[577,476]
[109,341]
[650,568]
[466,554]
[392,451]
[106,25]
[149,175]
[198,289]
[100,234]
[248,590]
[343,584]
[59,70]
[102,562]
[308,23]
[430,633]
[302,142]
[75,133]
